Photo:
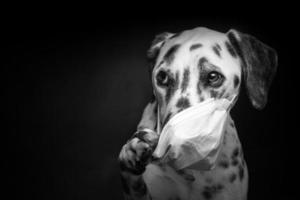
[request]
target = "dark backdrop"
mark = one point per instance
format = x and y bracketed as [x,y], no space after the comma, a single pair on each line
[74,93]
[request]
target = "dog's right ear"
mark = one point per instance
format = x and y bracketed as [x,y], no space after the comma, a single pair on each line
[155,47]
[259,64]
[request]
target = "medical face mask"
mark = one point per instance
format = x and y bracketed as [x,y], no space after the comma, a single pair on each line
[192,138]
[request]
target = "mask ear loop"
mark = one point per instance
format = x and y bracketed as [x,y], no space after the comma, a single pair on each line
[232,102]
[158,121]
[158,128]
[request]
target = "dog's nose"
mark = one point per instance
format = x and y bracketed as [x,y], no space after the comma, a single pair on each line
[183,103]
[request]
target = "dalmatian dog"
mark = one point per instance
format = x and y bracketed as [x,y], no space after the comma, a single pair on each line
[187,68]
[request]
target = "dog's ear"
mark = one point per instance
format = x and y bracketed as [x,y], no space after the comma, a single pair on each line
[155,47]
[259,65]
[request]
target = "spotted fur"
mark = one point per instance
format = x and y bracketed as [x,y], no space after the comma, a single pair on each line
[183,103]
[188,58]
[230,49]
[185,80]
[217,49]
[170,55]
[195,46]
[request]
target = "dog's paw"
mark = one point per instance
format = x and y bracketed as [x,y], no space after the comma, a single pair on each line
[137,152]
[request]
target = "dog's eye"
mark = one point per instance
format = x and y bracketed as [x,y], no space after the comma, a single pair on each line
[215,79]
[162,78]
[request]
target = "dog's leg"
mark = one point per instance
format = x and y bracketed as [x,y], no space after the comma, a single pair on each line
[136,154]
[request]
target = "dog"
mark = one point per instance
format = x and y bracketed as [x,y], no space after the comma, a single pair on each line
[187,68]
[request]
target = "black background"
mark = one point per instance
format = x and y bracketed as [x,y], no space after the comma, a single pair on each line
[75,88]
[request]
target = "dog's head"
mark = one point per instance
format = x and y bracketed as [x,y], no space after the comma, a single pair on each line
[197,64]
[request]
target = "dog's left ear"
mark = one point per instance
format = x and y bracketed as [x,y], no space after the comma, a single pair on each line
[155,47]
[259,65]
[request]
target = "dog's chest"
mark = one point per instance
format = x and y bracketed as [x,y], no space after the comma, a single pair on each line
[166,183]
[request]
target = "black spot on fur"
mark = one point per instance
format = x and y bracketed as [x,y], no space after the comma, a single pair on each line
[235,162]
[241,172]
[201,98]
[201,62]
[183,103]
[216,48]
[209,192]
[230,49]
[232,177]
[170,55]
[172,87]
[186,78]
[213,93]
[235,152]
[223,164]
[199,91]
[234,156]
[202,74]
[195,46]
[236,81]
